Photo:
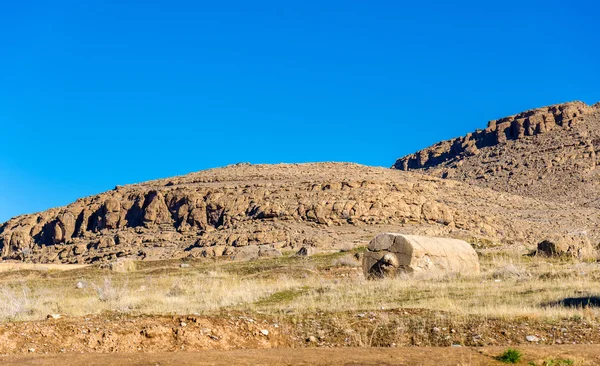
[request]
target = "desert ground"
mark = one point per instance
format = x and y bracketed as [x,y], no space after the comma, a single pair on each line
[430,356]
[176,310]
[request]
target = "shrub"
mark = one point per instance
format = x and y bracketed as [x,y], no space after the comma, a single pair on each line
[510,356]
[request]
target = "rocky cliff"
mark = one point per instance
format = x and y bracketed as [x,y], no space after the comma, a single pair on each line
[284,207]
[548,153]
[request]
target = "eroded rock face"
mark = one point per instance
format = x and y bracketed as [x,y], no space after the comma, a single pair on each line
[529,123]
[548,153]
[285,207]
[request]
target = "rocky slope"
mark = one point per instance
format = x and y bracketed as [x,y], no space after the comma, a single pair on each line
[549,153]
[329,205]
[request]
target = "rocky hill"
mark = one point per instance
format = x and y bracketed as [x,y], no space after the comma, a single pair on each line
[549,153]
[219,212]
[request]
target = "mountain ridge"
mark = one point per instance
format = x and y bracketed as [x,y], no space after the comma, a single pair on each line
[550,153]
[218,212]
[524,178]
[528,123]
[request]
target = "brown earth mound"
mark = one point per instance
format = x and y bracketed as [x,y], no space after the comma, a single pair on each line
[115,333]
[286,206]
[548,153]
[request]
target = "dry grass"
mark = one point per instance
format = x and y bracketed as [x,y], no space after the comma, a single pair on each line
[509,286]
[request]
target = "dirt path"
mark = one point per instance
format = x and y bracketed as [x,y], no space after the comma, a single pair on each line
[16,266]
[410,356]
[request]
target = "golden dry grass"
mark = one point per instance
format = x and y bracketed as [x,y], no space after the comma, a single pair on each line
[509,286]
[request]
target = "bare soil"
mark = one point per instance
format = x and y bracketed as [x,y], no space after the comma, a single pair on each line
[537,355]
[410,336]
[19,266]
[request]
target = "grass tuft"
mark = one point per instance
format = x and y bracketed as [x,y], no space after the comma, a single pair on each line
[511,355]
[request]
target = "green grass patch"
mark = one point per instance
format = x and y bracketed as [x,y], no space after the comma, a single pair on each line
[558,362]
[282,297]
[511,355]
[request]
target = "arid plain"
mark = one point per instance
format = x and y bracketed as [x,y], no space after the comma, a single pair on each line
[250,257]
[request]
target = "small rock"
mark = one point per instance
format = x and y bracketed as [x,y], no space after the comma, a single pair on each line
[183,324]
[184,265]
[31,350]
[305,252]
[436,329]
[80,284]
[53,316]
[264,332]
[311,339]
[532,338]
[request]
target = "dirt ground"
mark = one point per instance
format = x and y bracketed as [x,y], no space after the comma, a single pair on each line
[458,356]
[118,333]
[258,339]
[16,266]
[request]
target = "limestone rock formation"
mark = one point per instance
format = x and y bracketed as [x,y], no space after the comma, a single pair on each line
[389,254]
[547,153]
[217,212]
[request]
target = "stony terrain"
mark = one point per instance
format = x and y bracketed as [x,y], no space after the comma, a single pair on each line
[549,153]
[227,331]
[260,210]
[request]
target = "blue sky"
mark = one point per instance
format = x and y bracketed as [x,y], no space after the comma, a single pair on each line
[99,93]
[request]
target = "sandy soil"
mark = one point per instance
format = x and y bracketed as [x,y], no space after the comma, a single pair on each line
[16,266]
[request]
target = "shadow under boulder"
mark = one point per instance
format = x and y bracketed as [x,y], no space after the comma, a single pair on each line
[577,302]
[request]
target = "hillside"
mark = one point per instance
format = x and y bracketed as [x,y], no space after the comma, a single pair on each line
[287,206]
[549,153]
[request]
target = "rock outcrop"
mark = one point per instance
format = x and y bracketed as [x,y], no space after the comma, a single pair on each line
[547,153]
[281,208]
[390,254]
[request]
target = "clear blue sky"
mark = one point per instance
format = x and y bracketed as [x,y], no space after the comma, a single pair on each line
[99,93]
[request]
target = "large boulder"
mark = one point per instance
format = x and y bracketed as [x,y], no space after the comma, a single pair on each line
[122,265]
[574,246]
[389,254]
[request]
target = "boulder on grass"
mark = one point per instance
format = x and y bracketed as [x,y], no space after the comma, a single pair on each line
[306,252]
[246,253]
[567,246]
[122,265]
[390,254]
